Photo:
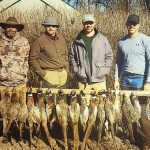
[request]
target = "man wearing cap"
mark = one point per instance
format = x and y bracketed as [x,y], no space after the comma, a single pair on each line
[14,52]
[132,67]
[90,56]
[49,56]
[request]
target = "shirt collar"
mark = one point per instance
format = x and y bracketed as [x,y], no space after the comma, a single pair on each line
[56,37]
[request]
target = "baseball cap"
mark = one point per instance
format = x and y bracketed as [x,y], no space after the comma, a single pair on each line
[88,17]
[133,18]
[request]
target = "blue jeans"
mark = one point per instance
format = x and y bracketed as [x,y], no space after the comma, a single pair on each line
[131,81]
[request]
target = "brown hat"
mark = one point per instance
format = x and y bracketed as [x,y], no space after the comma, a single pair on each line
[11,21]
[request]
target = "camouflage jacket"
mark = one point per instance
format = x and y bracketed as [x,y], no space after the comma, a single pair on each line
[14,55]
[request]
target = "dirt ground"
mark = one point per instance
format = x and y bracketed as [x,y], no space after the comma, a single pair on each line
[107,143]
[116,144]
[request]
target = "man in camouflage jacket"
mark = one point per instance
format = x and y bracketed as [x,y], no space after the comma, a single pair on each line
[14,52]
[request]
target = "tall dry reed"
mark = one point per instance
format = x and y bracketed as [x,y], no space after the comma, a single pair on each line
[111,23]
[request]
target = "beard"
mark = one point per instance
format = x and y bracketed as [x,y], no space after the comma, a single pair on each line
[10,33]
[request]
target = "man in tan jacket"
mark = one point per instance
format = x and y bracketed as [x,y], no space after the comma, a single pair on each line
[49,56]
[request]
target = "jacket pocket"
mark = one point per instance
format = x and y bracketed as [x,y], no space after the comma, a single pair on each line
[75,70]
[81,72]
[100,68]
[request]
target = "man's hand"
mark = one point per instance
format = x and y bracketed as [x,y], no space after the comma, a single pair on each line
[147,87]
[116,85]
[47,76]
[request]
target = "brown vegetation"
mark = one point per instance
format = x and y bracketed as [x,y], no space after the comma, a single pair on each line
[111,23]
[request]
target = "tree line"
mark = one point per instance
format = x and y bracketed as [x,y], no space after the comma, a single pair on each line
[111,3]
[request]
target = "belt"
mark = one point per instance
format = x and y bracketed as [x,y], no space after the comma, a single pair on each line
[55,69]
[130,74]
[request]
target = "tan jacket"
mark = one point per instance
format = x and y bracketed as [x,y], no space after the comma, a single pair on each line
[47,53]
[13,60]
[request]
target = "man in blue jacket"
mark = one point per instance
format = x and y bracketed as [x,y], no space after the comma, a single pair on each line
[133,58]
[90,56]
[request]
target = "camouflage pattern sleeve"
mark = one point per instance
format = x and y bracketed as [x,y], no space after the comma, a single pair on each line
[26,48]
[14,61]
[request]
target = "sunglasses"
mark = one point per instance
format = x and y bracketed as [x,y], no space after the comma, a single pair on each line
[53,26]
[88,22]
[131,23]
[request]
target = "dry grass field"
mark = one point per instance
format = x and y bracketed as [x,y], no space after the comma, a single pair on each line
[111,23]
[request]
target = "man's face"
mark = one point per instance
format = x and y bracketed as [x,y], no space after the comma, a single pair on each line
[88,26]
[51,29]
[132,27]
[10,31]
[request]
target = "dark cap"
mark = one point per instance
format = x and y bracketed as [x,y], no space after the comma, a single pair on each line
[133,18]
